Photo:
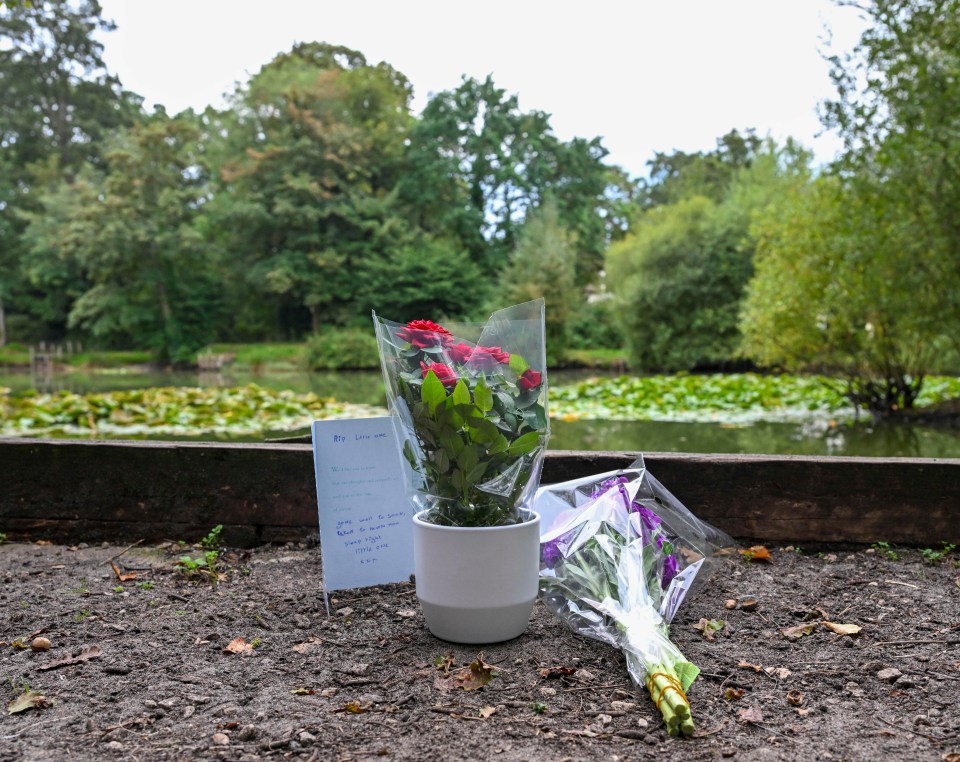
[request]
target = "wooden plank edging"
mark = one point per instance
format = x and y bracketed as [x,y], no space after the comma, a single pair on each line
[72,491]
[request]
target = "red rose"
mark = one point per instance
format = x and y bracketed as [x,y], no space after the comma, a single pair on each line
[487,358]
[529,380]
[424,333]
[459,353]
[443,372]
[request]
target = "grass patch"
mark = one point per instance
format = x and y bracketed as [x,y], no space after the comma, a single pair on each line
[260,357]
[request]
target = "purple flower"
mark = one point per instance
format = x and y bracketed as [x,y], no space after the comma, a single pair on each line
[670,568]
[551,554]
[609,484]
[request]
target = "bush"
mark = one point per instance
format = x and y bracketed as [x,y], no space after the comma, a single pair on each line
[594,326]
[343,348]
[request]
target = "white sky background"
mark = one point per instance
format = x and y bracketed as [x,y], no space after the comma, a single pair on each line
[644,75]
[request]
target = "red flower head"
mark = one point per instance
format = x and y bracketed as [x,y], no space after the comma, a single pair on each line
[424,333]
[529,380]
[443,372]
[487,358]
[459,353]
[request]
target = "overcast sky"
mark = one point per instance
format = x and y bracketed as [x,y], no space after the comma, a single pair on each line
[644,75]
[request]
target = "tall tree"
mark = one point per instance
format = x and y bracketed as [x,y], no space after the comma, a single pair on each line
[57,104]
[679,276]
[131,229]
[311,197]
[862,273]
[544,265]
[478,164]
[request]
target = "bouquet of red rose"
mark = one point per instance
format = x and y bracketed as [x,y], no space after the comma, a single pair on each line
[472,410]
[620,556]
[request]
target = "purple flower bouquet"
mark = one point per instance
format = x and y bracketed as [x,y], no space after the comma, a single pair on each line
[618,558]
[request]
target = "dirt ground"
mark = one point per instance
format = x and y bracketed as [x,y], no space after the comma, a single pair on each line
[140,669]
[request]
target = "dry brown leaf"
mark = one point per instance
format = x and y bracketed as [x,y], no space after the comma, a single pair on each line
[357,707]
[709,627]
[123,577]
[303,692]
[797,632]
[781,673]
[748,665]
[553,672]
[751,714]
[310,644]
[757,553]
[843,629]
[28,700]
[733,694]
[86,653]
[238,646]
[795,698]
[471,678]
[487,711]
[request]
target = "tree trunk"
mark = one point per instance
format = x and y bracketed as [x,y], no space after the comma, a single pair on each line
[3,325]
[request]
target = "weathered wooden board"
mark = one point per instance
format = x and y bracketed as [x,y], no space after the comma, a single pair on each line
[68,491]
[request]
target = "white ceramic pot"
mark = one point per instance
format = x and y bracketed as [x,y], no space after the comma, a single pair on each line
[477,584]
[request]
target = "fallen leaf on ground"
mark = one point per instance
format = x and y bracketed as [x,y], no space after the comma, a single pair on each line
[843,629]
[471,678]
[709,627]
[444,663]
[779,672]
[732,694]
[87,653]
[310,644]
[123,577]
[795,698]
[487,711]
[357,707]
[748,665]
[751,714]
[303,692]
[28,700]
[17,643]
[757,553]
[797,632]
[238,646]
[553,672]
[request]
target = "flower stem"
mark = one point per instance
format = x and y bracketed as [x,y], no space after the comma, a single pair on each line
[667,693]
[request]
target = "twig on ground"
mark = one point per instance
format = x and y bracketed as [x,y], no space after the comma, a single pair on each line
[114,558]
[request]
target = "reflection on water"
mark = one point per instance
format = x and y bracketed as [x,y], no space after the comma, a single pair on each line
[884,439]
[818,437]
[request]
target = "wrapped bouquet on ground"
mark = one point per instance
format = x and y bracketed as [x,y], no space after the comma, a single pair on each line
[619,554]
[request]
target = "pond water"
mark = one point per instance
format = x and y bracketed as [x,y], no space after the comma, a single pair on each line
[816,437]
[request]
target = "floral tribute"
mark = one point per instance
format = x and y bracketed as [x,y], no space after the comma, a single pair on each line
[472,415]
[619,558]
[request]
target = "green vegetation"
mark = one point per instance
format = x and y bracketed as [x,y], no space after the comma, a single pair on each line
[317,194]
[348,348]
[936,556]
[885,550]
[175,412]
[206,566]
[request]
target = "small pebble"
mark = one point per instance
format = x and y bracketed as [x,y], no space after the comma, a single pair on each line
[247,733]
[221,739]
[40,644]
[345,611]
[306,738]
[889,675]
[114,746]
[188,711]
[906,682]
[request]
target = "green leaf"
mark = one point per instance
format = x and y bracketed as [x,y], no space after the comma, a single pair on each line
[500,444]
[483,396]
[432,391]
[461,393]
[476,473]
[525,444]
[518,365]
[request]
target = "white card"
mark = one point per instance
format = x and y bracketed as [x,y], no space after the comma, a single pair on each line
[366,526]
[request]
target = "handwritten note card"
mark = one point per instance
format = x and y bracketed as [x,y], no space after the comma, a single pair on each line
[366,532]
